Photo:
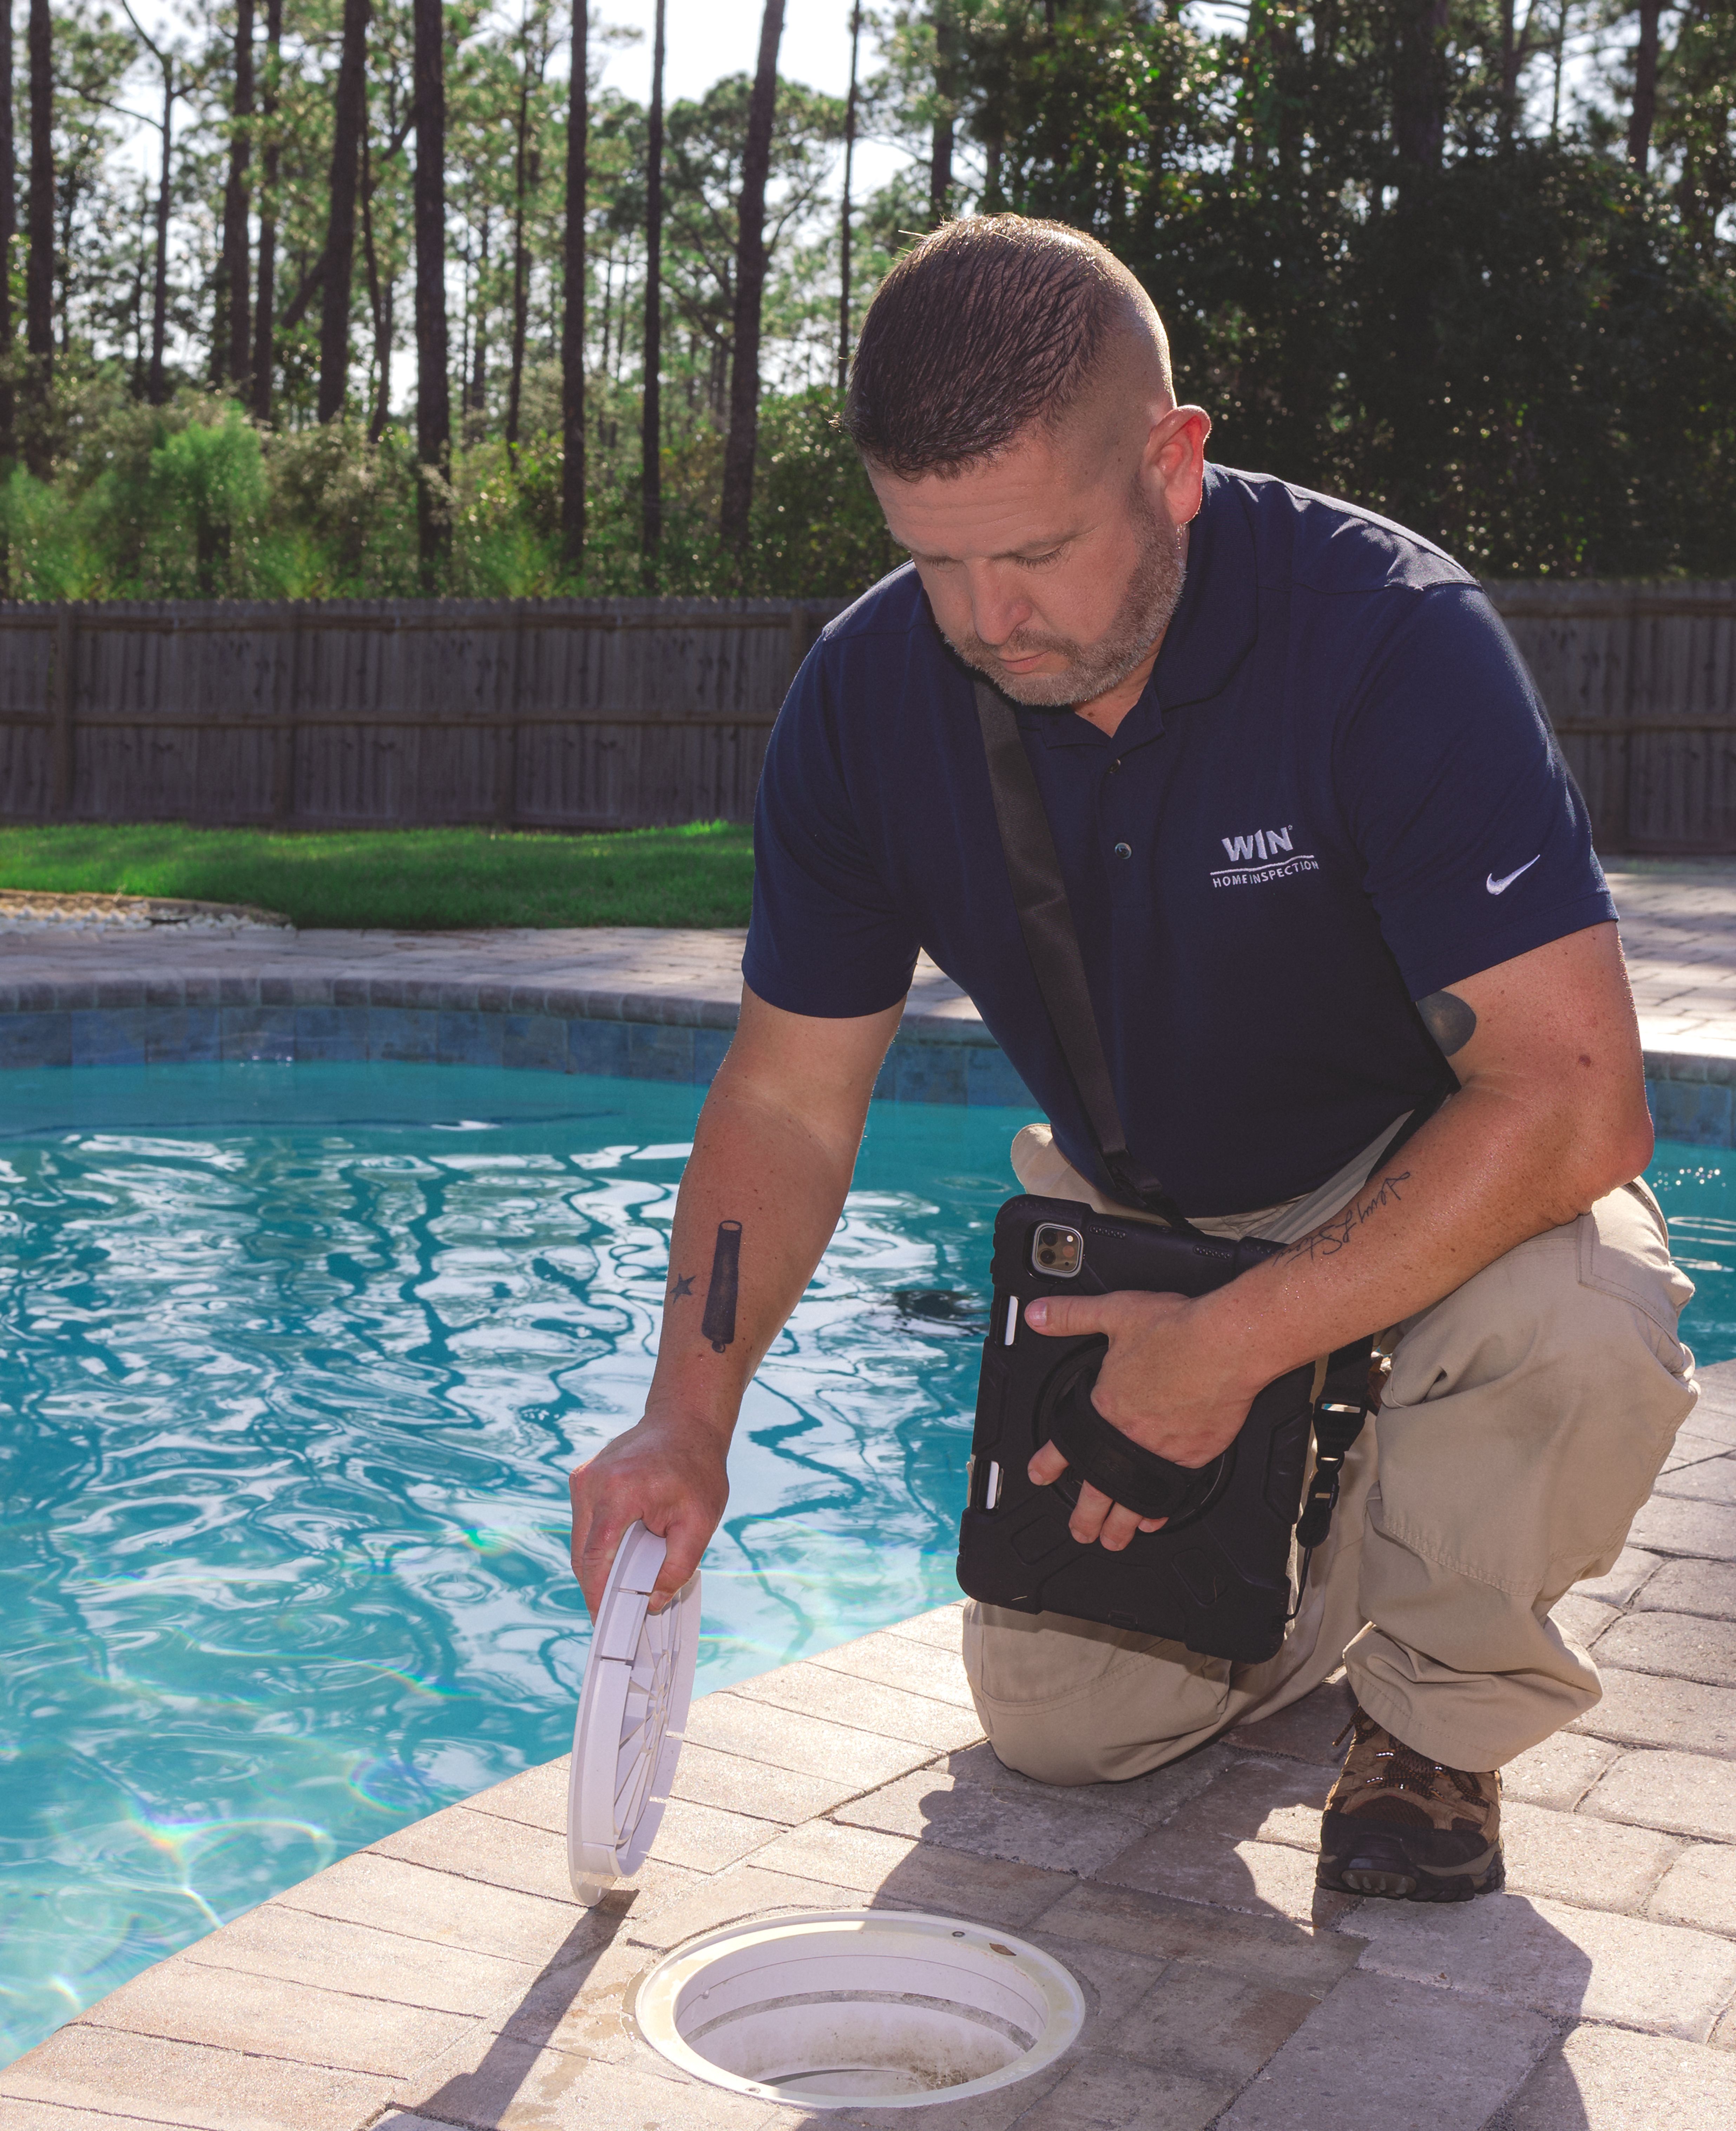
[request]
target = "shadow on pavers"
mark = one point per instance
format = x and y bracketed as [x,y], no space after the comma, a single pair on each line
[1220,1987]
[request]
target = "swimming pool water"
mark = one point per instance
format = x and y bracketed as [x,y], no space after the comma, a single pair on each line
[294,1361]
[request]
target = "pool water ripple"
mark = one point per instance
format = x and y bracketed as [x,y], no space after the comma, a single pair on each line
[292,1386]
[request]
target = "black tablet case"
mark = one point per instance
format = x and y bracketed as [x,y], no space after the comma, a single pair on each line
[1218,1581]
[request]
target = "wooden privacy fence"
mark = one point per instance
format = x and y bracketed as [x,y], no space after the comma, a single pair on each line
[570,714]
[559,714]
[1640,680]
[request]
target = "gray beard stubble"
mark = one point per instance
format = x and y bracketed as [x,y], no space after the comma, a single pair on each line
[1093,669]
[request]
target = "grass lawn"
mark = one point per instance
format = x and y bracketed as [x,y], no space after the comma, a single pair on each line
[421,879]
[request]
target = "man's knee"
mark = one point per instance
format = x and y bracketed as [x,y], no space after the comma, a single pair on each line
[1071,1701]
[1528,1412]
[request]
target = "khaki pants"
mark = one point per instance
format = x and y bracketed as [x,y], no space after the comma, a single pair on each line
[1526,1418]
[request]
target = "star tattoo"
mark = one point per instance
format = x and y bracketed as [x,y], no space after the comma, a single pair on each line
[683,1285]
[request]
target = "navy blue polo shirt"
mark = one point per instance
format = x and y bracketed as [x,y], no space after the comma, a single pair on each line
[1337,794]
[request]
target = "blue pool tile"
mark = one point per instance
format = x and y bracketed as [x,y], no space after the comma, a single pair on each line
[469,1038]
[109,1036]
[930,1072]
[709,1046]
[990,1078]
[408,1035]
[598,1047]
[658,1052]
[184,1036]
[258,1035]
[533,1042]
[35,1039]
[333,1035]
[1697,1111]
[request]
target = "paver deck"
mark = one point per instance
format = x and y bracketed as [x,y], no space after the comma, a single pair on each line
[445,1977]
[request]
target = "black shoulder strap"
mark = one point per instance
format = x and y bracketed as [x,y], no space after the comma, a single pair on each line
[1046,921]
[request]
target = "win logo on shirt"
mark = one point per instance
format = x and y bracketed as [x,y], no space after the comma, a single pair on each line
[1265,855]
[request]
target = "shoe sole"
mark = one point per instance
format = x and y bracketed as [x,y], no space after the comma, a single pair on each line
[1383,1868]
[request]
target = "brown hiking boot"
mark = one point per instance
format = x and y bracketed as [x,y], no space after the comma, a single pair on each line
[1398,1824]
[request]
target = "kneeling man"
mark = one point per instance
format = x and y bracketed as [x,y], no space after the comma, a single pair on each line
[1323,857]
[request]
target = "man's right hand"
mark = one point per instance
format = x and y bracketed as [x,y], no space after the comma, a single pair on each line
[668,1476]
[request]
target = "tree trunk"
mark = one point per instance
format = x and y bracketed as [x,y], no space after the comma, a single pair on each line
[379,305]
[744,383]
[856,35]
[157,387]
[433,388]
[138,290]
[39,273]
[650,423]
[522,182]
[573,316]
[262,338]
[945,81]
[231,342]
[1644,113]
[340,242]
[1419,99]
[476,399]
[8,234]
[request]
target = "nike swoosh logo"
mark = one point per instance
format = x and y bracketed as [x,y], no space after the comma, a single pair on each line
[1500,887]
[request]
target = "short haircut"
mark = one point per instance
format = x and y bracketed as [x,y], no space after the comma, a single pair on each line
[990,324]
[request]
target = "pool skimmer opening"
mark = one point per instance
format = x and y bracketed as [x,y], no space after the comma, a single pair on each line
[888,2007]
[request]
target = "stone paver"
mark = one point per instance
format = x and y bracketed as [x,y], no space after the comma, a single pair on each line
[865,1705]
[760,1731]
[1678,1645]
[1700,1889]
[1687,1793]
[90,2065]
[181,2000]
[889,1661]
[1559,1773]
[1603,2079]
[1633,1570]
[1711,1479]
[1556,1958]
[1708,1587]
[1643,1709]
[1437,2066]
[1568,1855]
[1705,1529]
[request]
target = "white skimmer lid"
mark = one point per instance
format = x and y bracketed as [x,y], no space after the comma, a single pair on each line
[632,1712]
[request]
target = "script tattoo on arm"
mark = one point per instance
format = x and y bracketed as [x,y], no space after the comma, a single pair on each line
[718,1324]
[1449,1020]
[1331,1236]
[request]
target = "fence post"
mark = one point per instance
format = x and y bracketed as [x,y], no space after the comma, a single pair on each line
[62,683]
[506,737]
[800,642]
[283,756]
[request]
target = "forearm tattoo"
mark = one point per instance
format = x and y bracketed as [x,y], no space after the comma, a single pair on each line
[1331,1236]
[1449,1020]
[718,1324]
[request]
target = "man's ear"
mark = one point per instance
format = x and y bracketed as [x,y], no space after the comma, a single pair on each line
[1178,457]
